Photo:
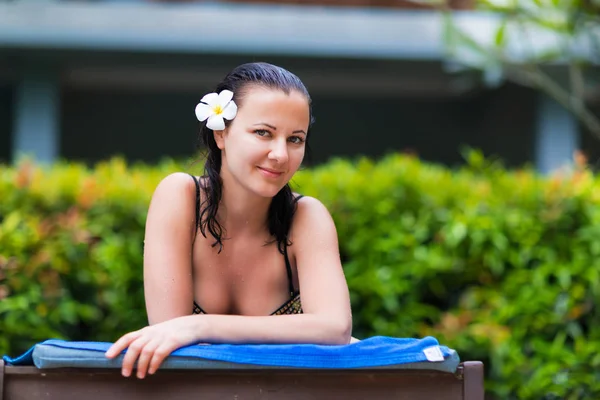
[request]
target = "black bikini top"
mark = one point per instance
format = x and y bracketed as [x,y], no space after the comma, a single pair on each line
[293,305]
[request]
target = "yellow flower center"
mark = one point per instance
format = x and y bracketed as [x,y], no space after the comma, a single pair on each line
[218,110]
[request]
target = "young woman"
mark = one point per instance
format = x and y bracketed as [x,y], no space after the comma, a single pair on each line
[235,256]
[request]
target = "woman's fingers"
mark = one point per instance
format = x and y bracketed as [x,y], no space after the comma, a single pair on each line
[160,353]
[151,345]
[146,355]
[122,344]
[140,348]
[133,352]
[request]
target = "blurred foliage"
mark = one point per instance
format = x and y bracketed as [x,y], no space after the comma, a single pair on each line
[71,242]
[501,265]
[550,45]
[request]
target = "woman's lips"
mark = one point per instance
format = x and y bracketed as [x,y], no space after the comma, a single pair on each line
[270,173]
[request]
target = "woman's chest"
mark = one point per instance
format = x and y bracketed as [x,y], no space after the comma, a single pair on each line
[248,278]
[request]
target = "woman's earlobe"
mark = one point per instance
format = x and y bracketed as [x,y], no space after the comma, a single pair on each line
[218,135]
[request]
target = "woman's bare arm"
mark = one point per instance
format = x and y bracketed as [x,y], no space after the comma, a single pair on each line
[167,249]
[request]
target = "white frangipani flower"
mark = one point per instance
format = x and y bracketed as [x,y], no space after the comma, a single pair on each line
[216,107]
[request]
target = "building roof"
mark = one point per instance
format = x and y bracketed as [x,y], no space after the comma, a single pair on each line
[221,28]
[232,28]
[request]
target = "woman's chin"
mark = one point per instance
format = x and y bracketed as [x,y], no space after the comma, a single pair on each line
[267,190]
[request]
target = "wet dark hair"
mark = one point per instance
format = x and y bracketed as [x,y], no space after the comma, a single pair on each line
[283,206]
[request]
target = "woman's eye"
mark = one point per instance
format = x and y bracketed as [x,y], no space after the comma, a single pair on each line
[261,132]
[296,140]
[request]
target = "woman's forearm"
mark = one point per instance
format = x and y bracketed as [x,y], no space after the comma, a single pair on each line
[152,344]
[298,328]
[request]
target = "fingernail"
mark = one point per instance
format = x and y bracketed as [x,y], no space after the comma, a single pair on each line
[126,373]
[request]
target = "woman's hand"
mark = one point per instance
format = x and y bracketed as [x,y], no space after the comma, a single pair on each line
[152,344]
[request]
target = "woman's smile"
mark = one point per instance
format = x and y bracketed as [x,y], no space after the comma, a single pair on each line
[270,173]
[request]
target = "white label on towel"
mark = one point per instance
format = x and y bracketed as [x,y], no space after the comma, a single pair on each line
[434,353]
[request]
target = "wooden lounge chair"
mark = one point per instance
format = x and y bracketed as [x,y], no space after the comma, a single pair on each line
[31,383]
[374,368]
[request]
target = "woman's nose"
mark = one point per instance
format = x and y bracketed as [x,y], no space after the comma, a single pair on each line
[279,151]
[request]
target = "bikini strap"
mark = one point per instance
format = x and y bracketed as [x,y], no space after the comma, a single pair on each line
[288,266]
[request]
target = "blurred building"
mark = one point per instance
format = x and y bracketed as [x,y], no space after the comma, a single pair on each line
[86,80]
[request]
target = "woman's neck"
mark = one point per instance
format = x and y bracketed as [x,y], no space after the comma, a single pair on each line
[241,211]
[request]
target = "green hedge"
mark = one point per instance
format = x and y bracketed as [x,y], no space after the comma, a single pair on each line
[502,265]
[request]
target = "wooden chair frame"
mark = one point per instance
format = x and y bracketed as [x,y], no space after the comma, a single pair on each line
[30,383]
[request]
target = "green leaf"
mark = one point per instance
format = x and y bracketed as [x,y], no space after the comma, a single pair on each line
[501,34]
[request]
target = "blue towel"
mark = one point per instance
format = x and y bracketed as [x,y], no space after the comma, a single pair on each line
[378,351]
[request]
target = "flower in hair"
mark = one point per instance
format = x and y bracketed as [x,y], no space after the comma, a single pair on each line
[216,108]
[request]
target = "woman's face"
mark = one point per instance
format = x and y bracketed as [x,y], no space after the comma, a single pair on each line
[264,145]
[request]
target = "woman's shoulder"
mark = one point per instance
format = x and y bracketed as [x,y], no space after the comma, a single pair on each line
[182,181]
[169,190]
[310,214]
[177,180]
[307,202]
[313,230]
[172,207]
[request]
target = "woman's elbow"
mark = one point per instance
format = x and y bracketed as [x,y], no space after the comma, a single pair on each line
[340,332]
